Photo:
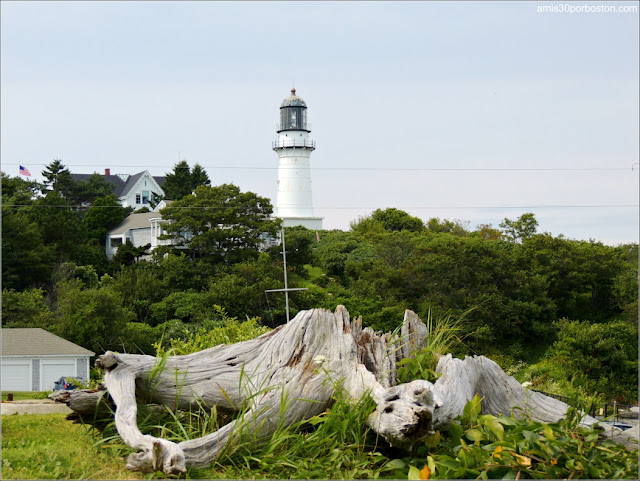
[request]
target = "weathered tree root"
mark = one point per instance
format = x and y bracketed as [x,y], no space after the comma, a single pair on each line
[301,363]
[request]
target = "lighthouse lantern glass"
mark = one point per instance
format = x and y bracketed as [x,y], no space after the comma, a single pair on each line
[293,118]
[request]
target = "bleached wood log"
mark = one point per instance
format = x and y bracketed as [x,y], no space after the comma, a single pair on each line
[90,406]
[300,364]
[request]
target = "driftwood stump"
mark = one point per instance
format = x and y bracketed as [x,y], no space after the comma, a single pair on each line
[300,363]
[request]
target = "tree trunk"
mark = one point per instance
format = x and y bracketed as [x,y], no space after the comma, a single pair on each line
[300,364]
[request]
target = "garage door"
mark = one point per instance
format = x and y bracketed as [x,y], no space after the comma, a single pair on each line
[52,370]
[16,375]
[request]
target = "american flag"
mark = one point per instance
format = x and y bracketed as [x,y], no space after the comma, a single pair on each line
[25,171]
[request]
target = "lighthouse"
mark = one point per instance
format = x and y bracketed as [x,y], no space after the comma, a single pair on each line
[294,204]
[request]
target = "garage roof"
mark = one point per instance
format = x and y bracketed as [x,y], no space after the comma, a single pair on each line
[139,220]
[38,342]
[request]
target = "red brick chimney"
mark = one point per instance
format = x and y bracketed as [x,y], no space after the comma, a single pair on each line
[107,171]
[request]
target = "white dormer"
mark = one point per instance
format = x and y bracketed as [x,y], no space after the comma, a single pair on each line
[139,191]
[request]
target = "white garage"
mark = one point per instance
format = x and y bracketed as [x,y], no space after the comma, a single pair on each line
[33,359]
[16,375]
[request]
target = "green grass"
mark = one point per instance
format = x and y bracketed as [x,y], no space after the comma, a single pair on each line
[336,444]
[22,395]
[46,446]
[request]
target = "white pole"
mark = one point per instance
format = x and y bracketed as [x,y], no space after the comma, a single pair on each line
[286,286]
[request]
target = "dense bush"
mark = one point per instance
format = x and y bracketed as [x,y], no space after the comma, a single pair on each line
[490,447]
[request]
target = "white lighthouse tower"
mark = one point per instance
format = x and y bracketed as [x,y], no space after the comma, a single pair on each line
[294,204]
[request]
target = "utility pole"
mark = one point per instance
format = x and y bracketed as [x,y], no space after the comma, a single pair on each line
[286,289]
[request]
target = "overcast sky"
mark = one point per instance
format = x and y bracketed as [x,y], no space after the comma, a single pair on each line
[396,93]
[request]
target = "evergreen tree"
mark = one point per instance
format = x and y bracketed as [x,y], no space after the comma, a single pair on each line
[199,177]
[105,214]
[87,191]
[59,179]
[59,225]
[183,181]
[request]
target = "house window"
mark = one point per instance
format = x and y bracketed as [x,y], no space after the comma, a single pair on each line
[145,197]
[116,242]
[137,198]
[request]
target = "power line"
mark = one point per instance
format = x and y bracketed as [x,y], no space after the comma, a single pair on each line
[431,207]
[382,169]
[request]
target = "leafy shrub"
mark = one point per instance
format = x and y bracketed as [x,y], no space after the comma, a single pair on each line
[486,446]
[25,309]
[225,330]
[606,353]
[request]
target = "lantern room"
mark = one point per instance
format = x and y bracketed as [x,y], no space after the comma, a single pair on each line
[293,113]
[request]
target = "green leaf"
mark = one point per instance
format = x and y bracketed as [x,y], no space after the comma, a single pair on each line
[432,465]
[472,410]
[395,464]
[548,432]
[448,463]
[474,435]
[414,473]
[455,433]
[506,421]
[495,427]
[433,440]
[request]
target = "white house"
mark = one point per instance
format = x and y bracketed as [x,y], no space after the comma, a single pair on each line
[140,228]
[136,191]
[33,359]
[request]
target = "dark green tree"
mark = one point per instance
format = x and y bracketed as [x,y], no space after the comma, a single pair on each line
[221,224]
[522,228]
[437,226]
[183,181]
[26,260]
[299,243]
[25,309]
[128,254]
[139,286]
[94,318]
[18,192]
[487,232]
[199,177]
[59,225]
[103,215]
[83,192]
[396,220]
[59,179]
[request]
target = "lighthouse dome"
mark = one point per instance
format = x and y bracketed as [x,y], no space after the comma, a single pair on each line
[293,101]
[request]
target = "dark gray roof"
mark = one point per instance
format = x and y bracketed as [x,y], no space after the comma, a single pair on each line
[117,182]
[293,100]
[121,187]
[131,181]
[37,342]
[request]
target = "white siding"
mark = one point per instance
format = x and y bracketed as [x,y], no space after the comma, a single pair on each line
[145,183]
[140,237]
[53,369]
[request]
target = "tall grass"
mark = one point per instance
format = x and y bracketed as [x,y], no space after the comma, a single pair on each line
[443,336]
[335,444]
